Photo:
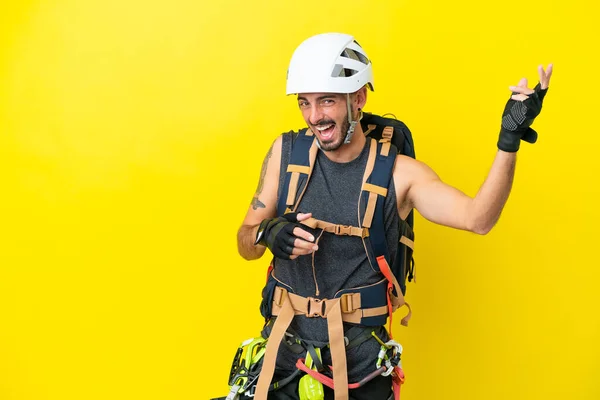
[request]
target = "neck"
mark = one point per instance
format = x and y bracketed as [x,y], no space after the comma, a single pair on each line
[349,152]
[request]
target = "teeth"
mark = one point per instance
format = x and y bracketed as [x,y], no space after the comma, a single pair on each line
[322,128]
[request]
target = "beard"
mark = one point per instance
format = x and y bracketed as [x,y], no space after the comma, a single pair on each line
[334,143]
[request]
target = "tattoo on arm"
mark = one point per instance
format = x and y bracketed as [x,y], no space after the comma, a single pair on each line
[256,203]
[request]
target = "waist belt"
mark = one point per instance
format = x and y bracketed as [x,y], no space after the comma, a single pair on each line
[350,306]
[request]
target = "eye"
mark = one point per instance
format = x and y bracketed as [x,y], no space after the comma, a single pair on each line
[303,104]
[327,102]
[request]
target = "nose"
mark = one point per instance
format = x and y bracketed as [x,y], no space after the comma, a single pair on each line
[316,114]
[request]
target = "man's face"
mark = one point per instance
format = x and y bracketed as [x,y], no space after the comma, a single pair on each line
[327,116]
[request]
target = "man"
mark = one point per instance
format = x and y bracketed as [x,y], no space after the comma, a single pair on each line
[330,74]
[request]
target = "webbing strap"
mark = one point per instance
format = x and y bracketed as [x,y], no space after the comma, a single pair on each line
[336,228]
[370,129]
[397,377]
[386,138]
[312,156]
[268,368]
[372,201]
[297,175]
[293,188]
[397,381]
[370,160]
[328,308]
[350,305]
[407,242]
[393,301]
[315,358]
[297,172]
[335,329]
[375,183]
[298,168]
[375,189]
[370,211]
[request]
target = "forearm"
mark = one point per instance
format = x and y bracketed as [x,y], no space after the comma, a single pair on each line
[493,194]
[245,239]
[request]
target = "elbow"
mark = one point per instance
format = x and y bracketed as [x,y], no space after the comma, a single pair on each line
[246,255]
[253,253]
[482,230]
[480,226]
[249,256]
[480,220]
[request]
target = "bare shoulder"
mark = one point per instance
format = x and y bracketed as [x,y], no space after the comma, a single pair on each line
[407,173]
[408,168]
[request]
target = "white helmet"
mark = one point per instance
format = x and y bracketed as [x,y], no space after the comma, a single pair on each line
[329,63]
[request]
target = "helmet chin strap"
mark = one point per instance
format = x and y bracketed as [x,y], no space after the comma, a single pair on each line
[352,123]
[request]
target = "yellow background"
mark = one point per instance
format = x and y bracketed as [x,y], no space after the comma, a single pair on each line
[131,139]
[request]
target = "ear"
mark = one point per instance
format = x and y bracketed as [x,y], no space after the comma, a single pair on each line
[360,98]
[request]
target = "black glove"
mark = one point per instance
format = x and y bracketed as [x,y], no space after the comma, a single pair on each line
[517,119]
[277,234]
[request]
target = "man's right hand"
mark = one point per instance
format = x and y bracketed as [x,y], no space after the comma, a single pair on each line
[285,237]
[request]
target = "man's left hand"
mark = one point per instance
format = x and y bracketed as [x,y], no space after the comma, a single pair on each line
[524,105]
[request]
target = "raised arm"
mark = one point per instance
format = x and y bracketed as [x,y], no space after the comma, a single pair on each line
[443,204]
[420,187]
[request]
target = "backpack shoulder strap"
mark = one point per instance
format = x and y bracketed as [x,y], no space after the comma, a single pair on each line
[376,180]
[298,172]
[378,173]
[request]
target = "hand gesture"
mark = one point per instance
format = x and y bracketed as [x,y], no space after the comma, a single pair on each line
[521,110]
[285,237]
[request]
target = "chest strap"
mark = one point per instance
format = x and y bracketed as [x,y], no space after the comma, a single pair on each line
[336,229]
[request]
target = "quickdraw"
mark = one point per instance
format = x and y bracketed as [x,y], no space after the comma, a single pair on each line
[245,372]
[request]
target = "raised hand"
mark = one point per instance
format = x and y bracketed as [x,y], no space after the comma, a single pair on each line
[521,110]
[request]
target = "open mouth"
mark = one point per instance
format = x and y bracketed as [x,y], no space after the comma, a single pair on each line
[325,131]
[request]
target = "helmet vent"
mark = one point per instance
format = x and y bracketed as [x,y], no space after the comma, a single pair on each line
[340,72]
[354,55]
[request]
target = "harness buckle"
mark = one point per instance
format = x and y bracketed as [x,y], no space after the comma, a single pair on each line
[279,296]
[387,134]
[343,230]
[347,303]
[315,307]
